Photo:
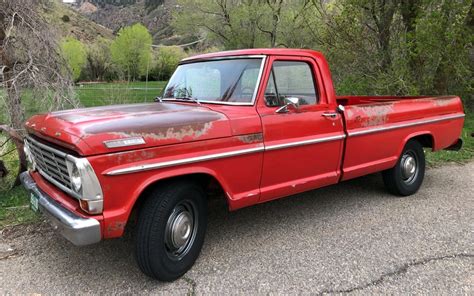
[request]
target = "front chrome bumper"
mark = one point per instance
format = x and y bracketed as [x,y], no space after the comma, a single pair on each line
[78,230]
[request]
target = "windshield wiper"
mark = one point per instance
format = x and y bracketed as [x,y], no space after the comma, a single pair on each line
[184,99]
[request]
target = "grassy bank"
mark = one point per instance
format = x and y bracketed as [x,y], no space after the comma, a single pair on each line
[96,94]
[14,203]
[461,156]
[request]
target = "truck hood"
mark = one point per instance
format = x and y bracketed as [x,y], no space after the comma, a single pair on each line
[85,130]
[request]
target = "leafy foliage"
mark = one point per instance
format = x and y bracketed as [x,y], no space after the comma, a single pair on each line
[131,50]
[166,61]
[406,47]
[74,53]
[99,63]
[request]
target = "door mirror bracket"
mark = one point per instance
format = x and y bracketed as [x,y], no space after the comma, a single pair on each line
[291,104]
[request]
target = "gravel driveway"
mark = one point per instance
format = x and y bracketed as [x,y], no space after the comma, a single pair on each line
[348,238]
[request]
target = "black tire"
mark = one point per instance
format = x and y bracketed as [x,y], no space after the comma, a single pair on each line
[403,182]
[155,250]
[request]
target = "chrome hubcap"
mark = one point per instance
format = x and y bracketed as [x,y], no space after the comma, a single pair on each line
[180,230]
[409,167]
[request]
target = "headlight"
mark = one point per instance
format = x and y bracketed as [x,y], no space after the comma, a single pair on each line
[76,179]
[85,185]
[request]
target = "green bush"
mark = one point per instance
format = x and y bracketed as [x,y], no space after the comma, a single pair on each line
[99,64]
[131,51]
[166,60]
[74,52]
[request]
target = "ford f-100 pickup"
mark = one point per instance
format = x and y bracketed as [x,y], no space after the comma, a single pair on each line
[254,125]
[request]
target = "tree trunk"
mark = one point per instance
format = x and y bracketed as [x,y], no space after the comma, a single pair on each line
[382,14]
[409,10]
[18,141]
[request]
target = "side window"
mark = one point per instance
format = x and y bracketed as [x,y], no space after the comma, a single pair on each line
[271,94]
[291,79]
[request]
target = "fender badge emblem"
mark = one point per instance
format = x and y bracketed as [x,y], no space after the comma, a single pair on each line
[124,142]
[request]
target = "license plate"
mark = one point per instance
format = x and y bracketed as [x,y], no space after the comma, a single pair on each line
[34,202]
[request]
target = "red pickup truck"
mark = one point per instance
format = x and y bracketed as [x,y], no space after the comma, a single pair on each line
[254,125]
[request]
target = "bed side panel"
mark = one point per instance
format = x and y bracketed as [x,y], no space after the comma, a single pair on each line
[378,132]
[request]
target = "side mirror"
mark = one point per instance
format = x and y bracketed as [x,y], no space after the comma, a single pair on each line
[291,104]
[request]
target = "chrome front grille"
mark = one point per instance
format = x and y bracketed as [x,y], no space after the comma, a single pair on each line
[51,164]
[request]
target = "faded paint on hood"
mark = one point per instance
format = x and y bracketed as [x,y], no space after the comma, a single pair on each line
[158,123]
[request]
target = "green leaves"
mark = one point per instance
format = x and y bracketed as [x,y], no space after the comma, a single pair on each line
[74,52]
[131,50]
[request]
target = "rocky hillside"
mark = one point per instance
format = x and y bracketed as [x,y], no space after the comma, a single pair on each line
[115,14]
[70,22]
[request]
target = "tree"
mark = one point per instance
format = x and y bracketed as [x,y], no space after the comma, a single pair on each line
[404,47]
[166,61]
[99,62]
[131,50]
[30,59]
[75,54]
[241,24]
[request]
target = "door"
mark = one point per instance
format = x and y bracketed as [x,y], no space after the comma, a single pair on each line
[303,144]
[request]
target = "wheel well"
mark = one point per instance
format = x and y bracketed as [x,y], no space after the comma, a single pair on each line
[425,140]
[209,184]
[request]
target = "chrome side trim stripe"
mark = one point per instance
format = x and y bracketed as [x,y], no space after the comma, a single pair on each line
[165,164]
[159,165]
[397,126]
[305,142]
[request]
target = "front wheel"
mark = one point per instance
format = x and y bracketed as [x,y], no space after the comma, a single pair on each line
[407,175]
[170,230]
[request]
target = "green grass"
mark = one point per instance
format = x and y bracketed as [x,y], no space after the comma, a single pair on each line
[14,203]
[464,155]
[97,94]
[14,208]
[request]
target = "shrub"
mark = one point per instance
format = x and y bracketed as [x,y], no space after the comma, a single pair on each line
[166,60]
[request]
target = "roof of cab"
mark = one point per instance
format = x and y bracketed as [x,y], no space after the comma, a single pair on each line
[254,51]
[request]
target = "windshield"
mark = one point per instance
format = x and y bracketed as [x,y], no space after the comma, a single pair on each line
[228,80]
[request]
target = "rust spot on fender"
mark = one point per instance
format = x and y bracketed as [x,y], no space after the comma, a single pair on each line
[116,226]
[251,138]
[443,101]
[350,113]
[132,156]
[193,130]
[374,115]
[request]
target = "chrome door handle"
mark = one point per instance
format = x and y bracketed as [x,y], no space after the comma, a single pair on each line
[332,114]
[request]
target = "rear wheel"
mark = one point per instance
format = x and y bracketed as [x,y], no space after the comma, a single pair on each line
[170,231]
[407,175]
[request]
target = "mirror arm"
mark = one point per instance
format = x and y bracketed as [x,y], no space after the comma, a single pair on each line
[282,109]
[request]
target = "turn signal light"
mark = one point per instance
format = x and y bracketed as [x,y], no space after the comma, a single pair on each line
[91,206]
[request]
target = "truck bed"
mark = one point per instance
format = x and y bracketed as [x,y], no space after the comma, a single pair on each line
[376,127]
